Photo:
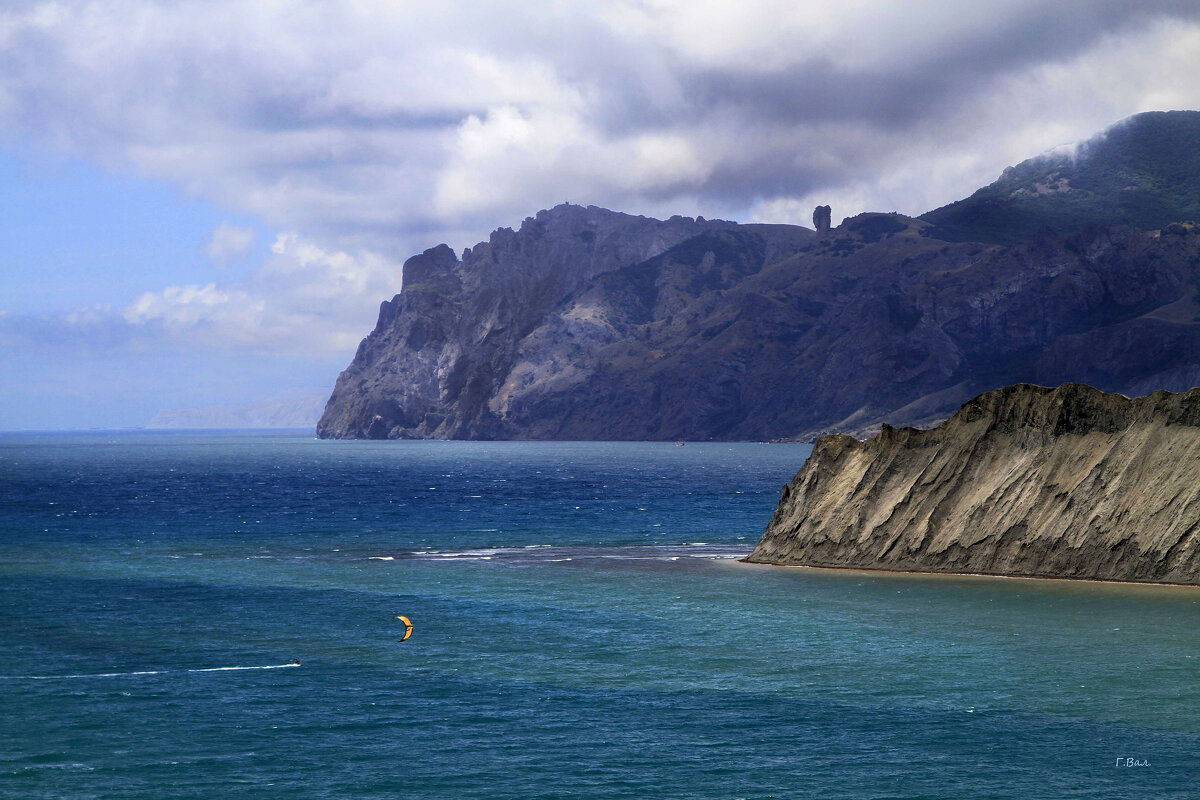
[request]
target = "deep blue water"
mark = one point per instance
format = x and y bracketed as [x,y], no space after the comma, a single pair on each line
[582,629]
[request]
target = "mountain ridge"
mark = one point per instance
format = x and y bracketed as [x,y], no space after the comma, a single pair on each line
[590,324]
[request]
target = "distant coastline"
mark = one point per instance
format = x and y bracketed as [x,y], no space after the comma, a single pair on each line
[295,409]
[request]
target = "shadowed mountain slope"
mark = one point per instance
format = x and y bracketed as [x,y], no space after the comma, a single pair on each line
[1143,172]
[589,324]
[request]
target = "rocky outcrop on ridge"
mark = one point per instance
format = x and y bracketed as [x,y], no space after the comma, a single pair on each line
[822,218]
[1067,482]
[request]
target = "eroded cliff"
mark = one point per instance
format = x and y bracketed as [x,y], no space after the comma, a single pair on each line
[1067,482]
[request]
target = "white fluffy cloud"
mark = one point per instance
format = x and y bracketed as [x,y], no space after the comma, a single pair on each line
[498,161]
[303,300]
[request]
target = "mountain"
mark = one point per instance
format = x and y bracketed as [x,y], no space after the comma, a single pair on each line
[1143,172]
[590,324]
[446,347]
[1024,481]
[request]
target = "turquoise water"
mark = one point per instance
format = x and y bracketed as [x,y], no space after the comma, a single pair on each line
[582,629]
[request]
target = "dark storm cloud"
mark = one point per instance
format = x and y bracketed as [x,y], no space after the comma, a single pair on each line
[884,102]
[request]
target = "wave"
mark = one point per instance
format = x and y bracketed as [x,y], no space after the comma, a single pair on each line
[550,553]
[143,672]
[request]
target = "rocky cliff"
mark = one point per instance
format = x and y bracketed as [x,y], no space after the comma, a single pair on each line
[590,324]
[444,350]
[1025,481]
[586,324]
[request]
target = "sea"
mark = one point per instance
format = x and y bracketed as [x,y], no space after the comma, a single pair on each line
[217,615]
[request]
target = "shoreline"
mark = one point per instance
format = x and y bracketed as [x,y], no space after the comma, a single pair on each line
[913,573]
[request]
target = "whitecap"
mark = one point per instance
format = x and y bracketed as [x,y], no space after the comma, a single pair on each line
[468,553]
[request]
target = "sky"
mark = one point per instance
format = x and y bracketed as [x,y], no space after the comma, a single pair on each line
[203,203]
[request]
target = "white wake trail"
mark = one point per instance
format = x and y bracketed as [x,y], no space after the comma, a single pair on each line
[141,672]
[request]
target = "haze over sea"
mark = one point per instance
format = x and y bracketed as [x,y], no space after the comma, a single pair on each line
[582,628]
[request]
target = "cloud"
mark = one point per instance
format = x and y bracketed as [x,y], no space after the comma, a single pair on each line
[180,309]
[499,160]
[389,127]
[362,131]
[358,132]
[229,243]
[302,300]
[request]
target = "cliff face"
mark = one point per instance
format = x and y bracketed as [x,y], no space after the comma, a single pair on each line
[442,348]
[1026,481]
[587,324]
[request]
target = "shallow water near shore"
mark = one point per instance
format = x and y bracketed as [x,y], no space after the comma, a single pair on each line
[582,628]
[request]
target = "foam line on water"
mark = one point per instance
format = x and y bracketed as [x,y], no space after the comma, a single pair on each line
[140,672]
[228,669]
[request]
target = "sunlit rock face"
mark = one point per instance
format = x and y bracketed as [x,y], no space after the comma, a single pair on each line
[1024,481]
